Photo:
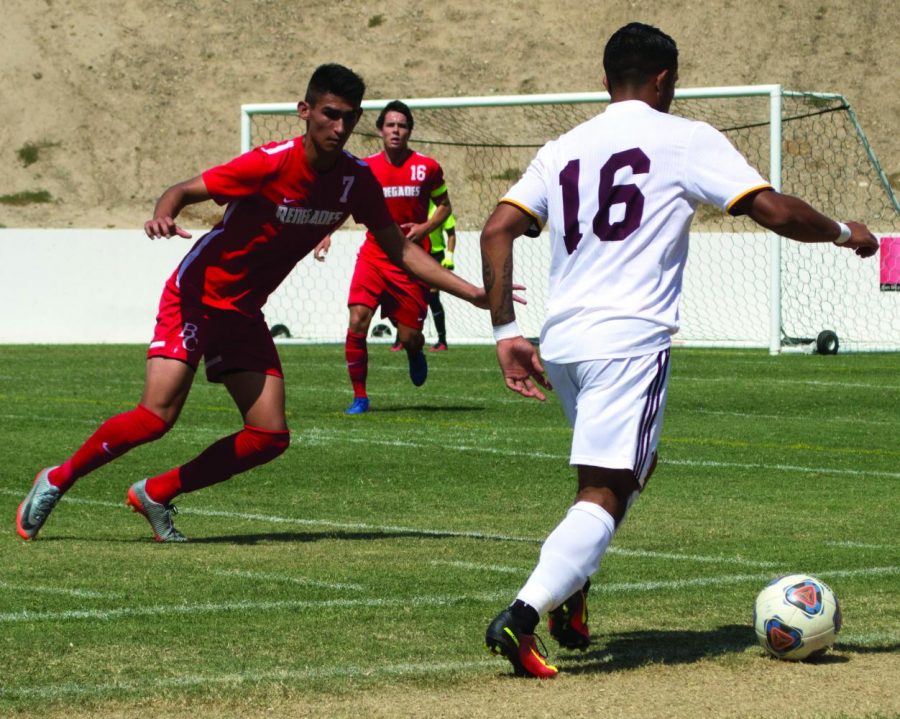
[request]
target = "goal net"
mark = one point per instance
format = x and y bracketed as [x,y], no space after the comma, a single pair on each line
[743,287]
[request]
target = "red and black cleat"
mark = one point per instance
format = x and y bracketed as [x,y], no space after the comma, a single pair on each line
[504,637]
[568,623]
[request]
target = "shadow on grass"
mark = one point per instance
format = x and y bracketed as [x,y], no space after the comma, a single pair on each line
[426,408]
[251,539]
[636,649]
[319,536]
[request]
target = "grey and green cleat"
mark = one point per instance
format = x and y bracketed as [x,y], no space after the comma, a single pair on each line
[37,505]
[159,515]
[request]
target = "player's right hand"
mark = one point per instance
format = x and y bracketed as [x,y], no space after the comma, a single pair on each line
[164,227]
[522,369]
[861,241]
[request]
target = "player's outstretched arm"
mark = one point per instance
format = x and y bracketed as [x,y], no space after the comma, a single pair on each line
[519,363]
[170,203]
[416,261]
[793,218]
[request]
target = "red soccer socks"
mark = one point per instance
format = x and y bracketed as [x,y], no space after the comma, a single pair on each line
[231,455]
[113,438]
[357,354]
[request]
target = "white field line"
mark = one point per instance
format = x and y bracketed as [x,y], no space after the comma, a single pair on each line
[626,587]
[480,567]
[768,380]
[321,437]
[243,606]
[284,579]
[860,545]
[788,417]
[299,676]
[623,587]
[43,589]
[394,529]
[689,557]
[781,468]
[703,559]
[378,603]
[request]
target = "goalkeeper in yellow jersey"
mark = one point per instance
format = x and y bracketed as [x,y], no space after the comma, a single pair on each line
[443,253]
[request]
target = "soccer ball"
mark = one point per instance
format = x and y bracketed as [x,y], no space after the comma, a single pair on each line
[796,617]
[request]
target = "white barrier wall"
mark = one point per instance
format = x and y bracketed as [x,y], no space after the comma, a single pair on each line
[103,286]
[82,286]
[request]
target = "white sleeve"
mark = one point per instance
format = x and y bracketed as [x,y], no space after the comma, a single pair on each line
[717,173]
[530,193]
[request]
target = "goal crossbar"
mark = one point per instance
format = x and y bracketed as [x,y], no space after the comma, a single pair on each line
[769,127]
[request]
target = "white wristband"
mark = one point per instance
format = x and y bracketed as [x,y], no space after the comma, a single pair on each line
[845,234]
[505,332]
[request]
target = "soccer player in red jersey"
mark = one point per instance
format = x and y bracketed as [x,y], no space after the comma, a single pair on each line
[410,180]
[282,199]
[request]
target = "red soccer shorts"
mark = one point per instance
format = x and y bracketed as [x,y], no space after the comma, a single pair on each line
[401,297]
[227,341]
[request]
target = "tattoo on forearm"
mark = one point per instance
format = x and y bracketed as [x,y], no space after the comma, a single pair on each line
[487,275]
[506,313]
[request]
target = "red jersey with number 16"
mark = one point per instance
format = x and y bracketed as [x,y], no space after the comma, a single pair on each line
[407,190]
[279,209]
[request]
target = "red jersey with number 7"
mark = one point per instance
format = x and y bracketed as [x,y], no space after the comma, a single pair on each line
[407,189]
[279,208]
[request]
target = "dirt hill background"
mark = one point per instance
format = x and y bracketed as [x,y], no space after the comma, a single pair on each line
[104,104]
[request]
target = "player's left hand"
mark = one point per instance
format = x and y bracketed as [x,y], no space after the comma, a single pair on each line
[521,368]
[448,262]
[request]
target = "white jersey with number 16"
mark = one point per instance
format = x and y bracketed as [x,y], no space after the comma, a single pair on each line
[619,192]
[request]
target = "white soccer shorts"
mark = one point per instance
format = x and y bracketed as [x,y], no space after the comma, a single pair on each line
[615,407]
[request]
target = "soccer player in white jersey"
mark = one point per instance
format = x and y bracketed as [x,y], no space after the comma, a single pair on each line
[618,193]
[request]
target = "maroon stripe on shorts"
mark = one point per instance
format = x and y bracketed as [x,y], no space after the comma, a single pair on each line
[651,410]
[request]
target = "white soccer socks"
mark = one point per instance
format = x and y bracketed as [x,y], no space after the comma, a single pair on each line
[570,555]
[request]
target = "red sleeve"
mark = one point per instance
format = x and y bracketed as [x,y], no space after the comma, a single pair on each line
[369,207]
[242,176]
[437,179]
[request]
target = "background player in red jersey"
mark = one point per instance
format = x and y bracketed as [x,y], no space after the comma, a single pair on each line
[410,180]
[282,199]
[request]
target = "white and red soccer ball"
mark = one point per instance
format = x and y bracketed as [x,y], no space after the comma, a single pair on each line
[796,617]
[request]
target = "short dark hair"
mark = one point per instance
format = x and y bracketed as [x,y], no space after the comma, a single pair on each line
[395,106]
[335,80]
[637,52]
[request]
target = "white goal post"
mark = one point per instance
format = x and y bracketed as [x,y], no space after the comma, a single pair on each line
[743,287]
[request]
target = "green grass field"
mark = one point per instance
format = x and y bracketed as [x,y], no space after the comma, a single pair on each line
[361,567]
